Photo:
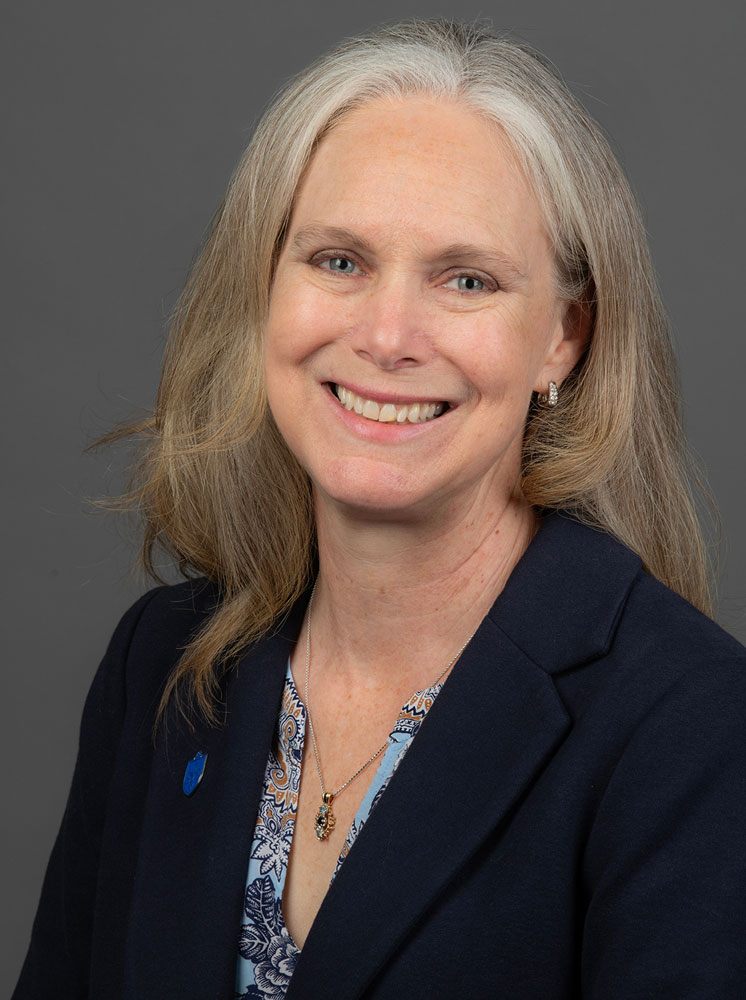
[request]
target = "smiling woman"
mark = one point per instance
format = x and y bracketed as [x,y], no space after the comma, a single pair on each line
[437,711]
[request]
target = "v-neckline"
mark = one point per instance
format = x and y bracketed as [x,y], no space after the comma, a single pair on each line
[408,721]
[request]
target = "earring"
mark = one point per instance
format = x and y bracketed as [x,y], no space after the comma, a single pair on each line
[551,397]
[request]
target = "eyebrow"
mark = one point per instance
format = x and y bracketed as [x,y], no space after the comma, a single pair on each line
[464,253]
[454,253]
[331,235]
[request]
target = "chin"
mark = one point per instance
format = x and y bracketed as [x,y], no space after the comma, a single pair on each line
[369,490]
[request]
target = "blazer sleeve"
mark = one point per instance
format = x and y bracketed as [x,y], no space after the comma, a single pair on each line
[665,864]
[58,959]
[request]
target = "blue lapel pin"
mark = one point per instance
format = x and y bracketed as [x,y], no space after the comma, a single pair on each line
[194,771]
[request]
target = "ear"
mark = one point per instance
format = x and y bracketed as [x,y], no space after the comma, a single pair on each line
[568,345]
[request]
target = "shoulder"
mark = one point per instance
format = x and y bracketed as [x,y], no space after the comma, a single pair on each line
[148,642]
[676,670]
[168,615]
[659,665]
[582,607]
[633,612]
[661,625]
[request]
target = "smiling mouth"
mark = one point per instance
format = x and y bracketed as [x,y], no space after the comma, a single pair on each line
[388,413]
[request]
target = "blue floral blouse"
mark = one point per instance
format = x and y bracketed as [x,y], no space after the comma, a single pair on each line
[267,954]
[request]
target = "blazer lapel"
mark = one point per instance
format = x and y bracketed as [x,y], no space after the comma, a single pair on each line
[490,731]
[493,728]
[195,848]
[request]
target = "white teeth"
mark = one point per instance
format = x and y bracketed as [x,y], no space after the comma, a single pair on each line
[388,413]
[345,397]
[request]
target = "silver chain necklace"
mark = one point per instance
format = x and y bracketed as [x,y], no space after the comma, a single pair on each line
[325,820]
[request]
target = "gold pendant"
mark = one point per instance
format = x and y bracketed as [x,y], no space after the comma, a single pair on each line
[325,819]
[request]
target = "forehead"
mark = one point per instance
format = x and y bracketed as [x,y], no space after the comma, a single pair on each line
[422,169]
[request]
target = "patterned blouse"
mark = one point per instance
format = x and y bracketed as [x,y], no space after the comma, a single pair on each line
[267,954]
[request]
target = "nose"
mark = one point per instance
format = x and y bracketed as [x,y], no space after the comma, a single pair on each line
[389,327]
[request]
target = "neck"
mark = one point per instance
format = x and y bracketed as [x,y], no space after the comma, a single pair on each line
[395,600]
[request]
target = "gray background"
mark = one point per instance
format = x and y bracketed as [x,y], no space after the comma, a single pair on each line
[122,123]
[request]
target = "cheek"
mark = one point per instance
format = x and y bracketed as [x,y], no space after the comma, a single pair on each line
[528,336]
[301,321]
[282,324]
[285,396]
[282,354]
[296,332]
[500,358]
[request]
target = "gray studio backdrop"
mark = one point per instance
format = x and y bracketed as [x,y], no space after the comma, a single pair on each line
[122,123]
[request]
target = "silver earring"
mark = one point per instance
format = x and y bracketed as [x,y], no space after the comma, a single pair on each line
[551,397]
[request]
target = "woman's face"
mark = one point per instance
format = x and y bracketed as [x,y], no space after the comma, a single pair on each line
[413,312]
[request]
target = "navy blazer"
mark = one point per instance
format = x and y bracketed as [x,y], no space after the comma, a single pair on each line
[569,822]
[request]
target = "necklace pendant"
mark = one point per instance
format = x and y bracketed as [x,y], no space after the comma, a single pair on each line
[325,819]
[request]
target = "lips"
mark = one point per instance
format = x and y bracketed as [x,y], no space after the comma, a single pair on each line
[415,412]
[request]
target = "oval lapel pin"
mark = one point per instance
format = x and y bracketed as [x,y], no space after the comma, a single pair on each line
[194,771]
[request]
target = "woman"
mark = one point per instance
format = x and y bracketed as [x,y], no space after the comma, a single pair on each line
[437,717]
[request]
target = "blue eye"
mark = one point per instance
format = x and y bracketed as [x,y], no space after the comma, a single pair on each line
[468,283]
[341,264]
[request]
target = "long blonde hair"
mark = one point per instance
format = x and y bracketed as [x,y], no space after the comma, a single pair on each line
[218,487]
